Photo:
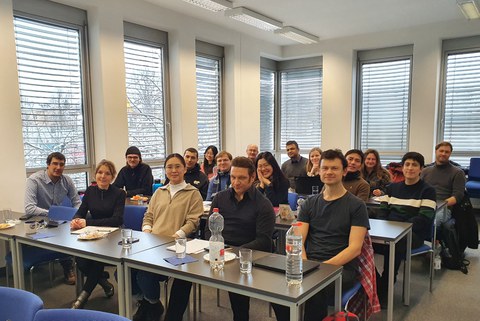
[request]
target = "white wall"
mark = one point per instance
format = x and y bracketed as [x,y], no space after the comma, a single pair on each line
[242,89]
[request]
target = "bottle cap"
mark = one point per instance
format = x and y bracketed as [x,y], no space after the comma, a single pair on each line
[215,210]
[297,224]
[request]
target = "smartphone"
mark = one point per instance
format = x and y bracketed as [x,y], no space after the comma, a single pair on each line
[134,240]
[26,217]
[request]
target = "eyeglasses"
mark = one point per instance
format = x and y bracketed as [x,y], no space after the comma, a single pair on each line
[133,157]
[172,167]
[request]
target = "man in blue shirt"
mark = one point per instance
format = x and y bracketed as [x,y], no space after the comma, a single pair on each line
[50,187]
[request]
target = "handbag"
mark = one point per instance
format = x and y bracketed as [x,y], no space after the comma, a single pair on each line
[341,316]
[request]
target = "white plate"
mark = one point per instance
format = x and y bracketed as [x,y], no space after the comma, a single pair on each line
[4,226]
[228,256]
[90,236]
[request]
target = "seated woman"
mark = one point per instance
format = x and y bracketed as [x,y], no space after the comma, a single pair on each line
[271,181]
[209,165]
[313,163]
[374,173]
[174,210]
[105,203]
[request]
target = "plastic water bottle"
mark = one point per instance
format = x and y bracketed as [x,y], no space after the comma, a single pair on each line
[216,243]
[437,261]
[293,249]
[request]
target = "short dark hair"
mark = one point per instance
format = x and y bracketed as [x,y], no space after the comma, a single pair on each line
[444,144]
[292,142]
[56,155]
[191,150]
[332,154]
[244,162]
[415,156]
[176,155]
[356,151]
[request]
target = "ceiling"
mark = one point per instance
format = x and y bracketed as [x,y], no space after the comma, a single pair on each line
[328,19]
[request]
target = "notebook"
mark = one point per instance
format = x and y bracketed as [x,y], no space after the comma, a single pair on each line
[303,184]
[277,263]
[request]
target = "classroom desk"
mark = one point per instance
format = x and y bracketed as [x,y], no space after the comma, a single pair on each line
[391,232]
[261,283]
[105,250]
[8,235]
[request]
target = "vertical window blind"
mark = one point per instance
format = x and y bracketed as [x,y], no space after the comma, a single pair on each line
[51,94]
[146,103]
[208,76]
[384,104]
[267,109]
[461,117]
[301,107]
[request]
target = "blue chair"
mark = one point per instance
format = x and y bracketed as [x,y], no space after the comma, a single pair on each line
[76,315]
[292,200]
[33,256]
[155,186]
[18,305]
[133,216]
[473,183]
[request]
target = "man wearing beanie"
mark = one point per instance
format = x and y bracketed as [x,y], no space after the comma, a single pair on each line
[136,177]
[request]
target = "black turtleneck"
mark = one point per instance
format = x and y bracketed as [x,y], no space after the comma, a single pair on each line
[138,180]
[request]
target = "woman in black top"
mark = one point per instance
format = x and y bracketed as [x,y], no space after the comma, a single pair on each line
[106,203]
[209,163]
[271,181]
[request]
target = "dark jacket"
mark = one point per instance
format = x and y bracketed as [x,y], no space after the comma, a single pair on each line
[138,180]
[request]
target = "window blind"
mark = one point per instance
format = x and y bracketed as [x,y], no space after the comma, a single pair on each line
[301,107]
[51,93]
[384,105]
[267,109]
[461,117]
[208,76]
[145,94]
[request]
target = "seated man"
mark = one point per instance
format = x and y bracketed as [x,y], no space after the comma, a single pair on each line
[410,201]
[334,224]
[249,221]
[447,179]
[221,181]
[135,177]
[296,165]
[353,181]
[50,187]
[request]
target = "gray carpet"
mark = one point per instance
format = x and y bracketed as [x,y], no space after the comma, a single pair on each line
[454,297]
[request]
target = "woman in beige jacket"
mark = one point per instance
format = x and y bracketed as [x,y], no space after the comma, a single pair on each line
[174,210]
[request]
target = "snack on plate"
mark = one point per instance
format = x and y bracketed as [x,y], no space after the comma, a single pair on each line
[139,198]
[5,225]
[91,236]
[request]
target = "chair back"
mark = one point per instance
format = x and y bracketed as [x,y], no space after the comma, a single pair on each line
[61,213]
[155,186]
[474,171]
[292,200]
[76,315]
[18,305]
[133,216]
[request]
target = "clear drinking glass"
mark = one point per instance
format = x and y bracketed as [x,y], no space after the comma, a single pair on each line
[127,238]
[181,247]
[245,260]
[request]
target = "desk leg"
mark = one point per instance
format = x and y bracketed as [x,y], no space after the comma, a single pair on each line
[15,266]
[294,311]
[408,266]
[20,274]
[122,293]
[128,292]
[338,293]
[391,272]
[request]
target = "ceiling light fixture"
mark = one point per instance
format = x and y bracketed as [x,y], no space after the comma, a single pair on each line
[254,19]
[470,8]
[297,35]
[212,5]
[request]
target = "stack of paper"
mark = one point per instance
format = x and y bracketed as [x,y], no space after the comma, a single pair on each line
[193,246]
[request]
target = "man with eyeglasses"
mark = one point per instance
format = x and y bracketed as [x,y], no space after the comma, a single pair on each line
[136,177]
[50,187]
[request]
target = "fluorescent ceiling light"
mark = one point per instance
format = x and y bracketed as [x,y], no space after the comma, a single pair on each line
[253,18]
[297,35]
[212,5]
[470,8]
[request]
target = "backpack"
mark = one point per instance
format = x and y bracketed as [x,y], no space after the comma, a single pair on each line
[452,254]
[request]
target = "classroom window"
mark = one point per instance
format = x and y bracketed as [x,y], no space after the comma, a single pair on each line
[145,51]
[383,102]
[267,109]
[209,70]
[460,101]
[52,81]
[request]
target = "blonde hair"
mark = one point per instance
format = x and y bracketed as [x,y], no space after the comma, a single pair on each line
[109,165]
[309,162]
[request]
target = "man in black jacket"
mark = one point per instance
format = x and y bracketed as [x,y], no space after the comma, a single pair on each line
[136,177]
